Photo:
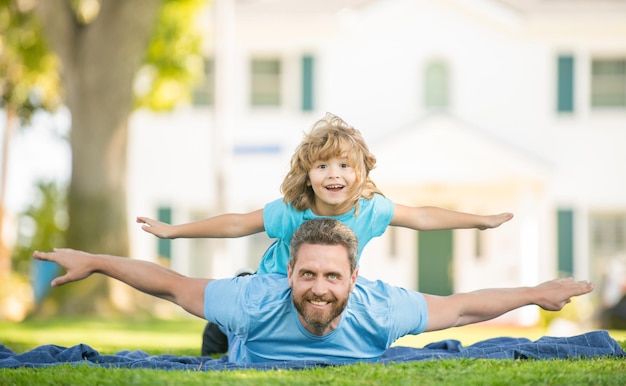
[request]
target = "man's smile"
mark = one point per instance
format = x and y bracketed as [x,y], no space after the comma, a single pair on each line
[319,303]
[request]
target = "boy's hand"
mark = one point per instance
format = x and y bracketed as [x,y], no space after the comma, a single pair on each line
[495,220]
[157,228]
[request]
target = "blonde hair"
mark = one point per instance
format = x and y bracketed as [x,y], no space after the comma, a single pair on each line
[330,137]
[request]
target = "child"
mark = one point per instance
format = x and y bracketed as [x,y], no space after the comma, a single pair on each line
[328,177]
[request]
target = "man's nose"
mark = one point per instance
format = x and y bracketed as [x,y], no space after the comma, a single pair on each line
[319,287]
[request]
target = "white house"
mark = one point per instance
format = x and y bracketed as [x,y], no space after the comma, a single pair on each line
[474,105]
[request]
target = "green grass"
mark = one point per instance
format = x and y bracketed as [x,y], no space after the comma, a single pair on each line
[182,337]
[108,336]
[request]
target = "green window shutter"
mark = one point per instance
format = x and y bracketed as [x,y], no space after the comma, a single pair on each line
[436,86]
[565,223]
[565,86]
[165,245]
[308,63]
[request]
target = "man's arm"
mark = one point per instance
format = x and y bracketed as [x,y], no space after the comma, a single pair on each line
[144,276]
[226,225]
[478,306]
[426,218]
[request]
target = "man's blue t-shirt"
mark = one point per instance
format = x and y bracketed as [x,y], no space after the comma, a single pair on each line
[281,220]
[258,311]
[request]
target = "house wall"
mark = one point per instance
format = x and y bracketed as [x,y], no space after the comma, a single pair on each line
[369,64]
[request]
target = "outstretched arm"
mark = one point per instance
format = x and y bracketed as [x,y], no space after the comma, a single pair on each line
[478,306]
[222,226]
[428,218]
[144,276]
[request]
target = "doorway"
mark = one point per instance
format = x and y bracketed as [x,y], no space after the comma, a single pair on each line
[434,257]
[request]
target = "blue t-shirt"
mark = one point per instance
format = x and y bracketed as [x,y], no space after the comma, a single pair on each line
[258,311]
[281,220]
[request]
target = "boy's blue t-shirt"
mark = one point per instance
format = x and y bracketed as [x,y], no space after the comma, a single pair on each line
[281,220]
[258,313]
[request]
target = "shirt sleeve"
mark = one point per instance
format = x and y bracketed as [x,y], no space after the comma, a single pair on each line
[411,312]
[383,213]
[273,212]
[223,304]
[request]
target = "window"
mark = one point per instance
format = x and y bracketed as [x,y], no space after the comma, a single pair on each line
[265,87]
[204,93]
[608,83]
[436,85]
[608,234]
[565,84]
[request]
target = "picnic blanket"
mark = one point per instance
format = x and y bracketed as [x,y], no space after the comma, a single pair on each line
[586,346]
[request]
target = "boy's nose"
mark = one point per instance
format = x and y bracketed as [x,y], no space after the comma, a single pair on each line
[333,172]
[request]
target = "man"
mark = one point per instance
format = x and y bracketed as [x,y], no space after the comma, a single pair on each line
[320,311]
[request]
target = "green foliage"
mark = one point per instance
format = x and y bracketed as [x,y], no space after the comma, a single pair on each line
[173,60]
[29,80]
[29,77]
[29,71]
[41,226]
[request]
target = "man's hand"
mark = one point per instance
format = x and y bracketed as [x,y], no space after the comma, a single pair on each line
[481,305]
[75,263]
[553,295]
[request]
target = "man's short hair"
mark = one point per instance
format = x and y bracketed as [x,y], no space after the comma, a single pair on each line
[324,231]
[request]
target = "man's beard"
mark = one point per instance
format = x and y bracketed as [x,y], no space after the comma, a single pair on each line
[318,320]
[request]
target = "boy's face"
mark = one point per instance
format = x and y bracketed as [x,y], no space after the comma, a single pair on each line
[332,182]
[321,282]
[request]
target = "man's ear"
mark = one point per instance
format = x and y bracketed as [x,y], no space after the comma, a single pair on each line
[289,272]
[353,278]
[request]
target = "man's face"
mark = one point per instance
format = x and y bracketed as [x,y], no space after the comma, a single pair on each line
[321,283]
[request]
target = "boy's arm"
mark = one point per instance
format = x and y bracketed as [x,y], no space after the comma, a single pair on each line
[478,306]
[144,276]
[428,218]
[222,226]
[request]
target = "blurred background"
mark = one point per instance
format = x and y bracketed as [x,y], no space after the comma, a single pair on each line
[180,110]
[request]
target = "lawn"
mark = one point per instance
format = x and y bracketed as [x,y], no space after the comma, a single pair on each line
[182,337]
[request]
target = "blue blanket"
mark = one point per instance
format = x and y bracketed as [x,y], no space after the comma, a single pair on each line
[586,346]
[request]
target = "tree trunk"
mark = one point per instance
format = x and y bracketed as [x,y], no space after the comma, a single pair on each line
[99,61]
